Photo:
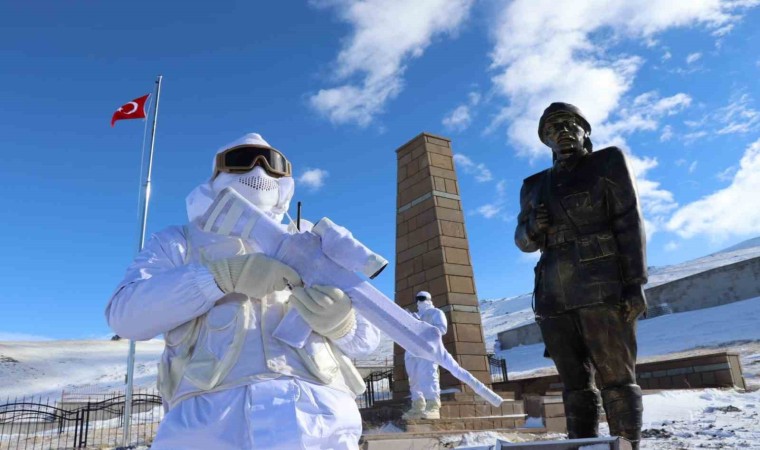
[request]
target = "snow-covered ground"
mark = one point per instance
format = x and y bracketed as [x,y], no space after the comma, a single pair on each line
[719,326]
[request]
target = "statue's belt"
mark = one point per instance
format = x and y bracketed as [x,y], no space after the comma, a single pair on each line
[560,237]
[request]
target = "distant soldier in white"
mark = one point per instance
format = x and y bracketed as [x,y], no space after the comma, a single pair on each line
[424,383]
[227,382]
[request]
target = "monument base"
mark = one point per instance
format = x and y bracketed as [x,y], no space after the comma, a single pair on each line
[459,412]
[606,443]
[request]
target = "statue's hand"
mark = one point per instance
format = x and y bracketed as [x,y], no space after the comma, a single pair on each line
[634,302]
[538,222]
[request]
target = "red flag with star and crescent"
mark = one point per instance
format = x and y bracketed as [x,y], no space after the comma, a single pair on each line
[131,110]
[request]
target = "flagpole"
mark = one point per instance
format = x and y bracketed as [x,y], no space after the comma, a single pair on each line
[141,243]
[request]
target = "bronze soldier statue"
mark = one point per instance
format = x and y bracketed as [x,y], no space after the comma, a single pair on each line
[583,215]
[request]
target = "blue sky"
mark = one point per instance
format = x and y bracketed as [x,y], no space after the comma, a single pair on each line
[338,85]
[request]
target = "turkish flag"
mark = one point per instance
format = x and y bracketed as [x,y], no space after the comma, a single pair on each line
[132,110]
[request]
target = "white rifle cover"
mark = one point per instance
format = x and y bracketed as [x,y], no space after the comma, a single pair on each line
[231,214]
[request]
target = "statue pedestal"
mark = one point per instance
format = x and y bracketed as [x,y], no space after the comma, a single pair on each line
[602,443]
[459,412]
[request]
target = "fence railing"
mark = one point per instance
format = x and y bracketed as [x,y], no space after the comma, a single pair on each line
[37,423]
[498,368]
[379,387]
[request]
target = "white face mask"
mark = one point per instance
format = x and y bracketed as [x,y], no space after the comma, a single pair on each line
[424,306]
[256,186]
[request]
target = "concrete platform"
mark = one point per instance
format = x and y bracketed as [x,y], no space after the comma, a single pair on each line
[424,440]
[602,443]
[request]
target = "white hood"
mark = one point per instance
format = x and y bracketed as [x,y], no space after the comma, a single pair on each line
[202,196]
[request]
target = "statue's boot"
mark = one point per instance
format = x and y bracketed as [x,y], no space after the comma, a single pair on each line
[624,412]
[433,409]
[416,411]
[582,413]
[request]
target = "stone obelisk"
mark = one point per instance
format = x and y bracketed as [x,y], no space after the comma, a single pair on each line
[432,254]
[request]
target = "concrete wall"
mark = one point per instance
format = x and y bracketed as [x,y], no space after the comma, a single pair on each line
[713,287]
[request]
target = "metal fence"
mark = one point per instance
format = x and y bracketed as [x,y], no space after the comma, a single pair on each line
[498,368]
[37,423]
[379,387]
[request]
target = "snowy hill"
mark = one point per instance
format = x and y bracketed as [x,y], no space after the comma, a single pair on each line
[46,368]
[507,313]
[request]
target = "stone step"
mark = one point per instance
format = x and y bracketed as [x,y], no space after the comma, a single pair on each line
[601,443]
[506,421]
[472,398]
[454,409]
[428,440]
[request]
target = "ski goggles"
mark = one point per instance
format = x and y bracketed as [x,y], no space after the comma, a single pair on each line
[245,157]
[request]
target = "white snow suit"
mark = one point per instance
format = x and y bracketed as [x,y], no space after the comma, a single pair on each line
[227,382]
[423,374]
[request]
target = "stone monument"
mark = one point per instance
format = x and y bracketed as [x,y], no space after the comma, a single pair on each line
[432,254]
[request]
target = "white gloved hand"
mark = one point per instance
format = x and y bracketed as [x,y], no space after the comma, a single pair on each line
[254,275]
[326,309]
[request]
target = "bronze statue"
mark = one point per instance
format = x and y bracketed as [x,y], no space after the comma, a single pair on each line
[583,215]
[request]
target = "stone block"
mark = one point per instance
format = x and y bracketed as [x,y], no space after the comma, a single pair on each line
[447,175]
[555,424]
[452,187]
[467,410]
[465,317]
[419,151]
[446,144]
[462,285]
[447,241]
[437,287]
[468,332]
[432,258]
[449,203]
[442,161]
[456,256]
[462,299]
[473,362]
[453,229]
[439,184]
[451,215]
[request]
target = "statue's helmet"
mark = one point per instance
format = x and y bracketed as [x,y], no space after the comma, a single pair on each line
[561,107]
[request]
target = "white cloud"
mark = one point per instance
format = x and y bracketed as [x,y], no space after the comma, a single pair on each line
[386,35]
[693,57]
[667,133]
[459,119]
[727,174]
[656,203]
[672,246]
[495,208]
[313,179]
[666,56]
[693,167]
[489,210]
[543,53]
[479,170]
[731,211]
[738,116]
[691,137]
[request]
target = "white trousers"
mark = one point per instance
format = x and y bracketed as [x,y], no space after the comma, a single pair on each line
[277,414]
[423,378]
